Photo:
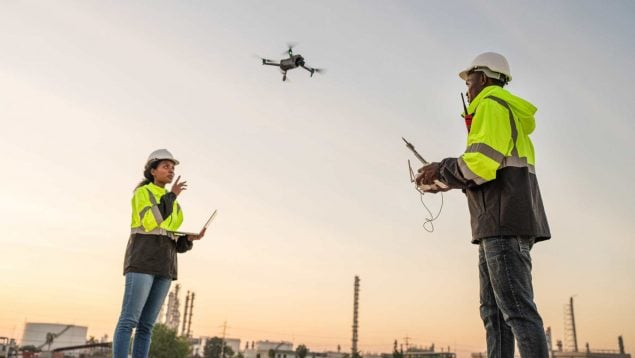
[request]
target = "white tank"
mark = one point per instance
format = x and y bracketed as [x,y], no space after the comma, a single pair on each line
[59,335]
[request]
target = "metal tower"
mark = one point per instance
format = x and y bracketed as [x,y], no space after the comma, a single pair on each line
[355,353]
[189,319]
[570,336]
[168,308]
[187,307]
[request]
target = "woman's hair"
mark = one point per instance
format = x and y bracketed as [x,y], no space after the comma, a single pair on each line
[147,174]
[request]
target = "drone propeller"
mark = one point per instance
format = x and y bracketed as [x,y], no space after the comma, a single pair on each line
[290,46]
[262,58]
[315,70]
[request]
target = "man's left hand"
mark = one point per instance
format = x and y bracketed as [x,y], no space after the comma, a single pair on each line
[428,174]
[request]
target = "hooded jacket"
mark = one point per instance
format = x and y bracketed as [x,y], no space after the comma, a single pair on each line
[497,170]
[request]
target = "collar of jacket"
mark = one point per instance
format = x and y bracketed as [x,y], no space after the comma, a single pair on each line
[523,110]
[156,189]
[487,91]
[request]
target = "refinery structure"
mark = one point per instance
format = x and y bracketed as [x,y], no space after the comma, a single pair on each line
[170,313]
[68,340]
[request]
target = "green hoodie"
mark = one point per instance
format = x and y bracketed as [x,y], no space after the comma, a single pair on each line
[523,110]
[491,128]
[497,169]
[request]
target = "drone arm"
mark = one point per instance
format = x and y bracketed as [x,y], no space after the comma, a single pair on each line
[268,63]
[312,70]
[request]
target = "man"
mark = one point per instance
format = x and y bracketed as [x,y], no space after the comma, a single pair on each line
[498,176]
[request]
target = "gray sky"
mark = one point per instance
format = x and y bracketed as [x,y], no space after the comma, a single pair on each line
[310,176]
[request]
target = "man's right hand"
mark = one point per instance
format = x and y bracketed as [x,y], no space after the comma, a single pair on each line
[177,187]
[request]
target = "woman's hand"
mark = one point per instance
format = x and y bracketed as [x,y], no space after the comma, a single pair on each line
[197,237]
[177,187]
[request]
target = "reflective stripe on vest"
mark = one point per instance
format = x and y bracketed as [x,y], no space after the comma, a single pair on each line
[155,208]
[512,123]
[157,231]
[469,174]
[514,160]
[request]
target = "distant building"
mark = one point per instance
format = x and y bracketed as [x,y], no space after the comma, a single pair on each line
[414,352]
[49,336]
[427,352]
[593,353]
[267,345]
[8,346]
[337,354]
[375,355]
[260,349]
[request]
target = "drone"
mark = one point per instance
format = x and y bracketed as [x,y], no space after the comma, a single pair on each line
[294,61]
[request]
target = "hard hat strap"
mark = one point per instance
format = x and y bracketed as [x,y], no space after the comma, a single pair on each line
[489,73]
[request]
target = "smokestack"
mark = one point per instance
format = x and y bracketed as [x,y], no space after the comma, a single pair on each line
[620,343]
[187,307]
[575,336]
[570,334]
[189,319]
[549,341]
[355,353]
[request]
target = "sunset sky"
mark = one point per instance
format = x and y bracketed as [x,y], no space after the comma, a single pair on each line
[310,176]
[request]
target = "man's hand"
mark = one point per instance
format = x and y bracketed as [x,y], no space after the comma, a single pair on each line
[177,187]
[427,174]
[435,189]
[426,179]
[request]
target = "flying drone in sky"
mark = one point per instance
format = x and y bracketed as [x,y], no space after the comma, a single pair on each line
[293,61]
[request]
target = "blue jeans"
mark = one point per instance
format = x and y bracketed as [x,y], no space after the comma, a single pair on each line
[507,298]
[142,301]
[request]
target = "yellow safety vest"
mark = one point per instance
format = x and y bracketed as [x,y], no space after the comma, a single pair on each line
[146,216]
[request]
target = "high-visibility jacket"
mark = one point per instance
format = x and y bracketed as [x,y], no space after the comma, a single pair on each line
[155,210]
[497,170]
[152,249]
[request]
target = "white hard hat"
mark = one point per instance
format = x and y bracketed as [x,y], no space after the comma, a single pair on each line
[161,154]
[494,65]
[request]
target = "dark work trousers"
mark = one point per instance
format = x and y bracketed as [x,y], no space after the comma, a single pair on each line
[507,298]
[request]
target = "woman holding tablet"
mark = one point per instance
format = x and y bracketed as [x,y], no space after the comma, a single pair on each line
[150,262]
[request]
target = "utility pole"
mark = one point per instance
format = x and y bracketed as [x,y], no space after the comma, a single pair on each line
[354,352]
[222,342]
[407,340]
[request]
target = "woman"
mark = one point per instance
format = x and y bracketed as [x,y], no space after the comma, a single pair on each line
[150,263]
